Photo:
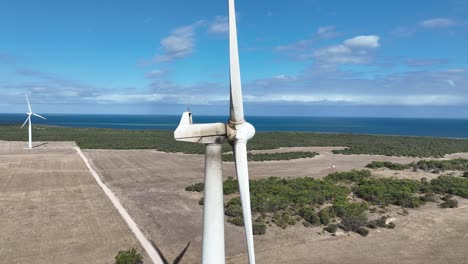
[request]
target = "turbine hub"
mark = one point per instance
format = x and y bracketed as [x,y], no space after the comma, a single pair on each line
[240,132]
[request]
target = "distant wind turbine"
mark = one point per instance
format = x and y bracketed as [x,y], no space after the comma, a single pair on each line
[237,131]
[28,119]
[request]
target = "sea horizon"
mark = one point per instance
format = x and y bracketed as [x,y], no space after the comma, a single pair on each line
[398,126]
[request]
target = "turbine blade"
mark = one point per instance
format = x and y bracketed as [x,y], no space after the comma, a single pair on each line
[39,116]
[29,116]
[29,106]
[237,108]
[240,154]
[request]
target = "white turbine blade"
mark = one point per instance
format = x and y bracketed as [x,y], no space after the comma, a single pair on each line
[40,116]
[29,106]
[240,154]
[237,108]
[29,116]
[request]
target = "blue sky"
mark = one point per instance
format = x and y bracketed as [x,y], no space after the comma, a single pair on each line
[300,57]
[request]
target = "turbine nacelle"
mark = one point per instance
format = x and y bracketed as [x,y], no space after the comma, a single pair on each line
[214,133]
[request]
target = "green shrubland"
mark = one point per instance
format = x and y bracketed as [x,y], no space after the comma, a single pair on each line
[324,202]
[273,156]
[425,165]
[387,164]
[101,138]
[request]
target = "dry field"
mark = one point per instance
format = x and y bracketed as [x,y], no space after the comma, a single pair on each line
[52,210]
[151,186]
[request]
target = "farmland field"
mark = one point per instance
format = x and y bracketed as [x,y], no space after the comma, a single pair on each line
[151,185]
[52,210]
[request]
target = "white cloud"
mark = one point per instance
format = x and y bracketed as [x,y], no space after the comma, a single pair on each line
[353,51]
[424,62]
[127,98]
[326,32]
[179,44]
[220,25]
[155,73]
[405,100]
[284,77]
[300,46]
[437,23]
[371,41]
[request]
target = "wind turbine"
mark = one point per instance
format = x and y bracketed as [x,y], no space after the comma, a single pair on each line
[28,119]
[237,131]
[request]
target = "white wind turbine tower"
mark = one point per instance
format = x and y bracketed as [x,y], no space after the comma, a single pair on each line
[28,119]
[237,131]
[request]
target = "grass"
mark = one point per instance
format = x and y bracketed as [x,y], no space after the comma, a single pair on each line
[326,201]
[98,138]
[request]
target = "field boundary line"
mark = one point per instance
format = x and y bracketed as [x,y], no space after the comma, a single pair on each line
[150,250]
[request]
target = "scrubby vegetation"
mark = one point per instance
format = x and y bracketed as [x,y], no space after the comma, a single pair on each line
[273,156]
[425,165]
[98,138]
[329,202]
[129,257]
[449,202]
[197,187]
[450,185]
[385,191]
[351,176]
[387,164]
[442,165]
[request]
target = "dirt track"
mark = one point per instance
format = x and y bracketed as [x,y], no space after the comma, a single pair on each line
[151,186]
[52,210]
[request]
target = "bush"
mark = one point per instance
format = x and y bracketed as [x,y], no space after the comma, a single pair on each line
[331,228]
[238,220]
[346,209]
[385,191]
[441,165]
[388,165]
[129,257]
[449,203]
[233,208]
[197,187]
[324,215]
[362,231]
[230,186]
[352,223]
[391,225]
[351,176]
[465,174]
[310,215]
[283,219]
[201,201]
[429,197]
[259,228]
[451,185]
[382,222]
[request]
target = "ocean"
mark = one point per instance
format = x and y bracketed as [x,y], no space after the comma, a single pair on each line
[456,128]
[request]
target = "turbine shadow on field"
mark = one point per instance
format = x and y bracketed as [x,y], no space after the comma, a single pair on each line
[177,259]
[39,145]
